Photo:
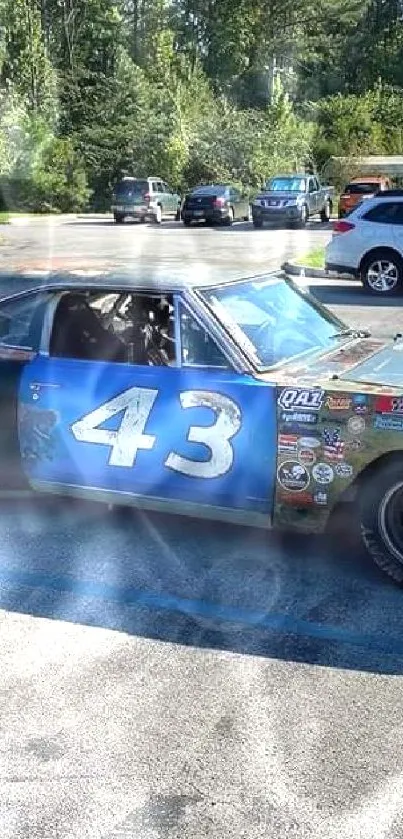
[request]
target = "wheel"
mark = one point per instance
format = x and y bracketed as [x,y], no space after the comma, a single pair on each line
[257,222]
[178,214]
[381,518]
[158,214]
[382,272]
[119,219]
[249,216]
[142,220]
[186,222]
[304,216]
[230,217]
[326,212]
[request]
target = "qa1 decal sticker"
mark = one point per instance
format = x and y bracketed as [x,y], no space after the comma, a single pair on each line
[137,403]
[305,399]
[323,473]
[292,476]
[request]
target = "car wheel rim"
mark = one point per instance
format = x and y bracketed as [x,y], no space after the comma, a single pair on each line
[382,275]
[390,520]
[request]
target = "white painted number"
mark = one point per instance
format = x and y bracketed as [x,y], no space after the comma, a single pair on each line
[136,404]
[216,437]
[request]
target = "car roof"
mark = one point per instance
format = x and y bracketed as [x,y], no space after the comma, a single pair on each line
[166,281]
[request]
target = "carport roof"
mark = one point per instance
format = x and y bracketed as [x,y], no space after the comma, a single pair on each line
[375,164]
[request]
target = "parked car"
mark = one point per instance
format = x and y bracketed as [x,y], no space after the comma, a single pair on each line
[360,189]
[368,243]
[292,200]
[215,204]
[277,411]
[144,199]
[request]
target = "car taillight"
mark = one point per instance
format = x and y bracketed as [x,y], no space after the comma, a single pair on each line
[342,226]
[219,202]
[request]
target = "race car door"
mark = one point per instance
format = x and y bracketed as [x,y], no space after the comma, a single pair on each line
[188,436]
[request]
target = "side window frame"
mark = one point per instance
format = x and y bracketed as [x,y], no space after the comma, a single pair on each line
[180,303]
[34,296]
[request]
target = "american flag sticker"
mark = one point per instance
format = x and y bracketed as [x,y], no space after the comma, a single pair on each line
[333,448]
[287,443]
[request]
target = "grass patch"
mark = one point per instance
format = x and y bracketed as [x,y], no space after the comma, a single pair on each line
[312,259]
[4,218]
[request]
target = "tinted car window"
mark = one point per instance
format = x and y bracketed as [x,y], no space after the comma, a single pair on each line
[361,189]
[21,321]
[383,213]
[209,190]
[130,188]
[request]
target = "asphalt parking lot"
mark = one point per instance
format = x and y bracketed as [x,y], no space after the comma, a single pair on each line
[168,678]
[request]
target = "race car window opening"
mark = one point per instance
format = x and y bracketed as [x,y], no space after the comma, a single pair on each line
[125,328]
[197,347]
[21,320]
[271,321]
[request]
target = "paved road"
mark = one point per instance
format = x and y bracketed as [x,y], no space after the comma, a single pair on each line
[167,679]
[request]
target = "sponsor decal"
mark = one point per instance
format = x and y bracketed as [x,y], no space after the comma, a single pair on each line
[353,445]
[333,448]
[292,476]
[309,443]
[299,499]
[287,443]
[389,405]
[356,425]
[387,422]
[320,498]
[344,470]
[323,473]
[305,399]
[307,457]
[338,403]
[360,403]
[300,418]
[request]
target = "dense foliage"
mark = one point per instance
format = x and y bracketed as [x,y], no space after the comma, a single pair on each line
[190,90]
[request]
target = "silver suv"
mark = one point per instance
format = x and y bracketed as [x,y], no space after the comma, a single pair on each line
[144,199]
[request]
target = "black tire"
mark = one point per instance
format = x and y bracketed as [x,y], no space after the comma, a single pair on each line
[228,222]
[326,212]
[186,222]
[178,214]
[392,265]
[257,222]
[119,219]
[381,518]
[304,217]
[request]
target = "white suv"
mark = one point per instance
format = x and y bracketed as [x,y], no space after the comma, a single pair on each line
[368,243]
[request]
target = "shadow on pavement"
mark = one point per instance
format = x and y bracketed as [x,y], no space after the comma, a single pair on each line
[354,295]
[201,584]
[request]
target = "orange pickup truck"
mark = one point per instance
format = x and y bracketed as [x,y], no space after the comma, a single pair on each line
[360,188]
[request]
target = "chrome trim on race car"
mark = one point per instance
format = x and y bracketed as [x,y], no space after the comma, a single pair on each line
[157,505]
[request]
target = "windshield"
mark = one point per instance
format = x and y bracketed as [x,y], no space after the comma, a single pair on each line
[271,320]
[286,185]
[131,188]
[361,189]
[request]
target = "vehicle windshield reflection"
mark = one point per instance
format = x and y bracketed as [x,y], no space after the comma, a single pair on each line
[272,321]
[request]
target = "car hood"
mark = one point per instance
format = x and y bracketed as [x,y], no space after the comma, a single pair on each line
[366,363]
[282,196]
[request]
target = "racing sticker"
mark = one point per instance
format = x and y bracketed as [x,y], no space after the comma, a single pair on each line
[305,399]
[388,422]
[307,457]
[333,448]
[389,405]
[356,426]
[320,498]
[344,470]
[323,473]
[298,418]
[338,403]
[360,403]
[287,443]
[292,476]
[299,499]
[309,443]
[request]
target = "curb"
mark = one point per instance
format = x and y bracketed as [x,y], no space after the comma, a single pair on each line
[313,273]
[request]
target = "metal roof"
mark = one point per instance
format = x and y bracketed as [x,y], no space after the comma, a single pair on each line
[13,282]
[382,164]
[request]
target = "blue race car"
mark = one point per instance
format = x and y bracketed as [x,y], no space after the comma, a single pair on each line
[242,400]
